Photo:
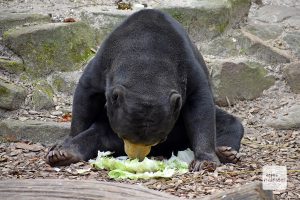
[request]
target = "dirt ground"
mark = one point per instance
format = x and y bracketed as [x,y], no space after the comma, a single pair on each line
[261,145]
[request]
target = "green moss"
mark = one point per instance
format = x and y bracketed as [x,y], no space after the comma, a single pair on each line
[222,26]
[48,48]
[239,2]
[24,77]
[44,87]
[47,54]
[82,55]
[47,90]
[248,79]
[12,66]
[58,83]
[242,51]
[239,9]
[5,35]
[79,48]
[3,91]
[176,14]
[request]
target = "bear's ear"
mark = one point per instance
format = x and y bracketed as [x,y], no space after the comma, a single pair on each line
[175,101]
[117,95]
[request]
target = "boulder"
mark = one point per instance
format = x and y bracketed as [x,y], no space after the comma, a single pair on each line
[289,119]
[292,76]
[207,19]
[35,131]
[224,46]
[276,13]
[10,20]
[51,47]
[262,50]
[215,15]
[238,80]
[293,22]
[42,96]
[65,82]
[292,40]
[264,31]
[104,19]
[289,3]
[11,95]
[245,43]
[12,66]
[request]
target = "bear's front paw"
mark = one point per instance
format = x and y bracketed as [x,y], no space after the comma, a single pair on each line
[59,156]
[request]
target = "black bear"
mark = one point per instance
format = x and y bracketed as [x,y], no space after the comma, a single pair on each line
[147,91]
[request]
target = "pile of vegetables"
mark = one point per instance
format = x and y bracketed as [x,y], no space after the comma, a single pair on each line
[124,168]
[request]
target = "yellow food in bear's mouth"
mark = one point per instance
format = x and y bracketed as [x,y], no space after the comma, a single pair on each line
[138,151]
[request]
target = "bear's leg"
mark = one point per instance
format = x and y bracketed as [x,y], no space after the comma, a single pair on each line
[199,120]
[87,107]
[74,149]
[229,134]
[85,145]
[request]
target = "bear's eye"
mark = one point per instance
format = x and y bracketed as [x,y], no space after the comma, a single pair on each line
[117,95]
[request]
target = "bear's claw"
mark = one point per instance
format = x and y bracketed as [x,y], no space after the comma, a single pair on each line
[227,154]
[58,156]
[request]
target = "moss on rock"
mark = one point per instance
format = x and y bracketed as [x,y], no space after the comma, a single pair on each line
[206,19]
[9,20]
[65,82]
[11,95]
[12,66]
[201,23]
[42,96]
[239,80]
[52,47]
[292,74]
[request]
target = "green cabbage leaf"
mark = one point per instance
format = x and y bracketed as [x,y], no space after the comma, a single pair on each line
[124,168]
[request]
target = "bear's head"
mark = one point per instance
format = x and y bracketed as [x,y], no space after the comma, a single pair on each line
[143,103]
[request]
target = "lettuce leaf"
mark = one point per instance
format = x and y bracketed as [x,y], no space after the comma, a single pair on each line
[119,174]
[121,168]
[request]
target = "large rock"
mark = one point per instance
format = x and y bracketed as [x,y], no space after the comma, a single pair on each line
[263,51]
[293,42]
[42,96]
[245,43]
[202,19]
[10,20]
[264,31]
[104,19]
[35,131]
[238,80]
[293,22]
[292,76]
[289,3]
[65,82]
[51,47]
[11,95]
[275,13]
[206,19]
[287,120]
[12,66]
[224,46]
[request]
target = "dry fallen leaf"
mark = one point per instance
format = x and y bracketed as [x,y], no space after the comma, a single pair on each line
[67,117]
[29,147]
